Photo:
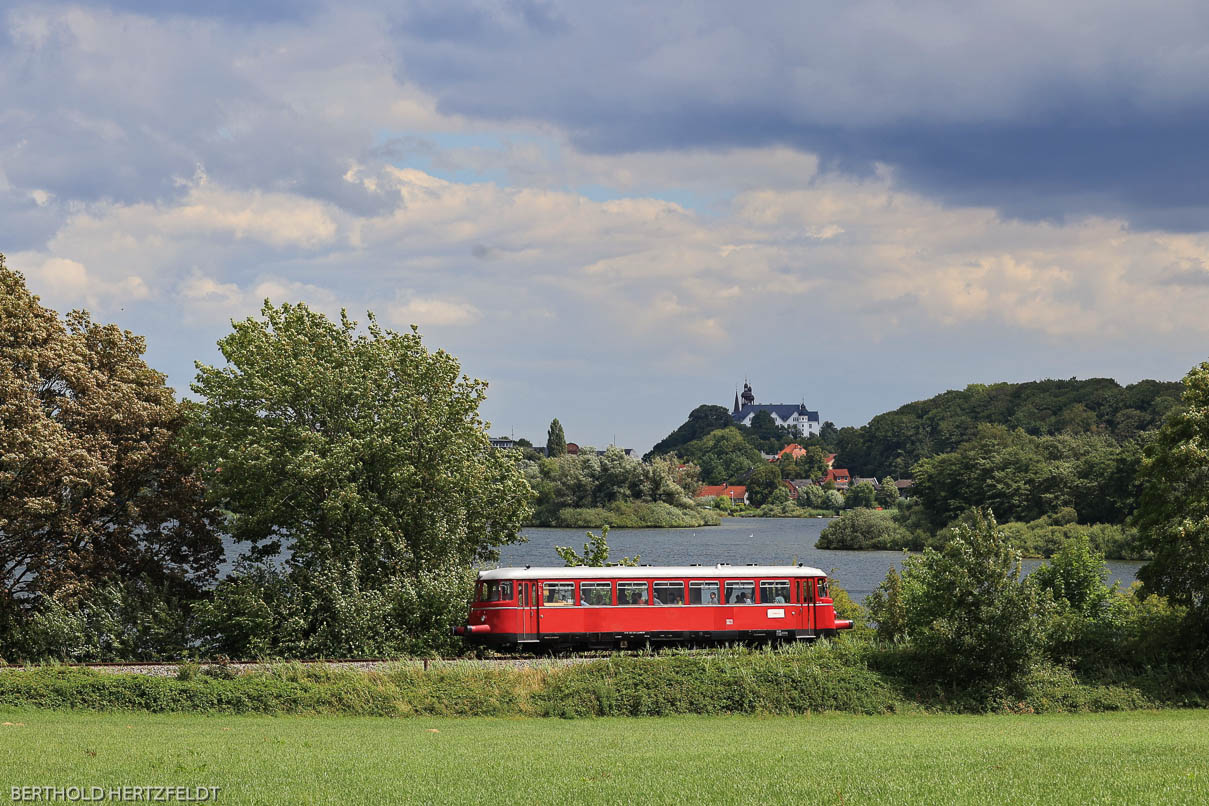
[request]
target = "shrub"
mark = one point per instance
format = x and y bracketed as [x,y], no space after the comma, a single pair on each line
[864,529]
[262,611]
[886,608]
[968,611]
[132,621]
[1076,576]
[812,497]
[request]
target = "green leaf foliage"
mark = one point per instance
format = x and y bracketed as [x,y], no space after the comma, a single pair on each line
[596,553]
[966,608]
[764,483]
[722,455]
[362,454]
[864,529]
[891,443]
[1173,510]
[556,440]
[1023,477]
[701,421]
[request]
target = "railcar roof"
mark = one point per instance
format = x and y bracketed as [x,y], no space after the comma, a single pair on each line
[652,571]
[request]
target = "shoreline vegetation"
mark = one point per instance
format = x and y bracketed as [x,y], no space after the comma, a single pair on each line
[590,491]
[873,530]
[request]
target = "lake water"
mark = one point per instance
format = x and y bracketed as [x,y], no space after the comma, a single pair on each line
[767,541]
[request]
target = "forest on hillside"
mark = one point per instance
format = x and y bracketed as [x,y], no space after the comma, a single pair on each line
[893,442]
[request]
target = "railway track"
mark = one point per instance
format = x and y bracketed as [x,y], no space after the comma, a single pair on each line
[353,664]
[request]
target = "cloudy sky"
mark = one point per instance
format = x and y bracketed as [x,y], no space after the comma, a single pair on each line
[616,211]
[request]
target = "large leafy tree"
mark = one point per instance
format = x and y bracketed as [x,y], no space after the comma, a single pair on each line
[355,450]
[94,489]
[763,482]
[1173,509]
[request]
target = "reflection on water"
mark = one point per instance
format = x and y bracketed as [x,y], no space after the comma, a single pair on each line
[766,541]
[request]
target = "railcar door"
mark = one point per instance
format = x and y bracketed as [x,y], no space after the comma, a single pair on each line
[809,605]
[527,599]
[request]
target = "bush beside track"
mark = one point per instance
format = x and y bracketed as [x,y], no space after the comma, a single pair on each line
[850,677]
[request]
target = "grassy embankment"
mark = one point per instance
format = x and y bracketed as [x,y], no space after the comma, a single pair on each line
[846,676]
[1100,758]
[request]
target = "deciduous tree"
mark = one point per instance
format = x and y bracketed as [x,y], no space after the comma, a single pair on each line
[887,493]
[361,453]
[762,483]
[94,488]
[1173,510]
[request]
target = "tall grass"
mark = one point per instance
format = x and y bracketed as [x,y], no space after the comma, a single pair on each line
[844,676]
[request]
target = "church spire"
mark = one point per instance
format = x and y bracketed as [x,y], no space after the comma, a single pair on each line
[736,411]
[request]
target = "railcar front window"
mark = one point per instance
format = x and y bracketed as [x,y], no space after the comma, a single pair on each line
[774,591]
[558,594]
[741,593]
[669,593]
[495,591]
[631,593]
[823,592]
[596,594]
[703,593]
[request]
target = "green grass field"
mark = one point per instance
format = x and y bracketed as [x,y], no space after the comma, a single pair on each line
[1136,757]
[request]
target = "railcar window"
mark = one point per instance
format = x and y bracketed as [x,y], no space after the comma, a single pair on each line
[596,594]
[703,593]
[631,593]
[499,591]
[823,592]
[774,591]
[669,593]
[558,594]
[742,592]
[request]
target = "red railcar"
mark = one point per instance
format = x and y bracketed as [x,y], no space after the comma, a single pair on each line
[628,606]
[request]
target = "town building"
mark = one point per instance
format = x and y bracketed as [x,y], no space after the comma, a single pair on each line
[837,476]
[736,493]
[788,415]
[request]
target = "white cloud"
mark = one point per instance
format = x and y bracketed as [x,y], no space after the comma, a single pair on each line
[65,282]
[428,311]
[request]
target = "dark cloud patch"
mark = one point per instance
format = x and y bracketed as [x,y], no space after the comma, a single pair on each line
[1037,109]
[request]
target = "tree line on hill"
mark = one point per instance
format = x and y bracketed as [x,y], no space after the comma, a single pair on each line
[1027,451]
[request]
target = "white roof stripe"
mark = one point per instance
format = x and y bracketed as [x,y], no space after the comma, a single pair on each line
[653,571]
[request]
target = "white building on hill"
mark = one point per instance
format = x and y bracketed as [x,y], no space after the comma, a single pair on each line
[790,415]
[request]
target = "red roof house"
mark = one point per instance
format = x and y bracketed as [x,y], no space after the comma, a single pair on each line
[794,450]
[837,476]
[736,493]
